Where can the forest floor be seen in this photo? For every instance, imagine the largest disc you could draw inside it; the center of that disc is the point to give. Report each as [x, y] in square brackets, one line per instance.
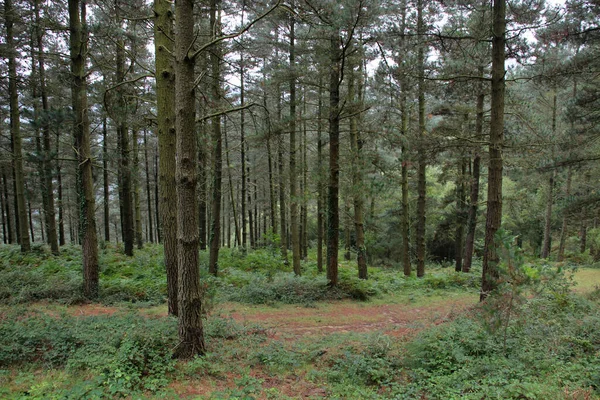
[271, 366]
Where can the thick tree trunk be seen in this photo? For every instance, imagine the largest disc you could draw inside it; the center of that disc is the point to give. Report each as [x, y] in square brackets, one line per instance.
[405, 220]
[167, 137]
[282, 203]
[333, 214]
[215, 229]
[546, 246]
[494, 198]
[126, 186]
[81, 132]
[15, 128]
[191, 334]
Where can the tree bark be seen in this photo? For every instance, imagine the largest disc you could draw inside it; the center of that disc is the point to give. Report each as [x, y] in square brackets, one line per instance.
[459, 235]
[15, 128]
[167, 137]
[333, 214]
[120, 117]
[48, 190]
[191, 334]
[215, 229]
[494, 199]
[320, 178]
[81, 132]
[148, 191]
[139, 238]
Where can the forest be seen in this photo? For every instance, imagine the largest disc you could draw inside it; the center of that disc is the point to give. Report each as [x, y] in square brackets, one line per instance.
[293, 199]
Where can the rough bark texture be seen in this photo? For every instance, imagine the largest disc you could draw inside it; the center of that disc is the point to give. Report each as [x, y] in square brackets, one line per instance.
[165, 96]
[191, 334]
[333, 213]
[494, 199]
[215, 228]
[81, 133]
[15, 128]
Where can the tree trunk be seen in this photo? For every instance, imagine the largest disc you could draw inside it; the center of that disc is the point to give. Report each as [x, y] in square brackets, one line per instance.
[9, 215]
[333, 214]
[126, 191]
[405, 220]
[47, 187]
[320, 178]
[243, 152]
[215, 231]
[231, 196]
[15, 128]
[167, 137]
[106, 192]
[546, 246]
[81, 132]
[494, 198]
[357, 181]
[136, 191]
[292, 127]
[282, 205]
[148, 191]
[202, 183]
[191, 334]
[422, 168]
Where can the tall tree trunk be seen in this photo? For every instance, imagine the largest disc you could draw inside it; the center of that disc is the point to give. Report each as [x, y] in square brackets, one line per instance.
[215, 229]
[191, 334]
[4, 216]
[81, 132]
[243, 150]
[320, 179]
[357, 182]
[30, 220]
[106, 192]
[422, 167]
[250, 214]
[148, 191]
[61, 219]
[405, 220]
[167, 138]
[126, 186]
[546, 246]
[233, 210]
[293, 188]
[282, 204]
[494, 198]
[202, 185]
[156, 200]
[15, 128]
[333, 213]
[139, 236]
[47, 187]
